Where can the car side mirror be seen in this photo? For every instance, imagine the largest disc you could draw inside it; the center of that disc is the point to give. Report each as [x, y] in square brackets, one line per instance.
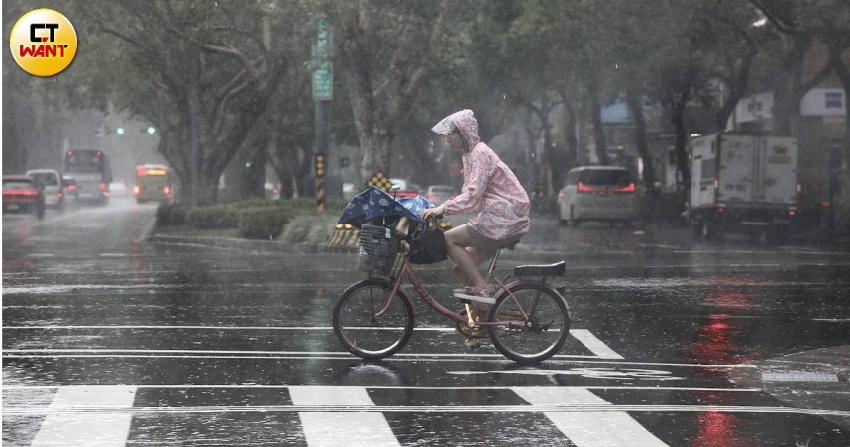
[395, 188]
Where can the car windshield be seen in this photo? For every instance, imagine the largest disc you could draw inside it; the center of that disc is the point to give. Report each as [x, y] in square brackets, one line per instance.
[605, 177]
[45, 178]
[17, 184]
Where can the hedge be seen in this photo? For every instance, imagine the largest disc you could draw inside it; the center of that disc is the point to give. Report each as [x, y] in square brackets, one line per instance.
[262, 223]
[171, 214]
[215, 216]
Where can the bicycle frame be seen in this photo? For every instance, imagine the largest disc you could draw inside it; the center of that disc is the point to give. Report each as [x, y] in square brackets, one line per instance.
[406, 272]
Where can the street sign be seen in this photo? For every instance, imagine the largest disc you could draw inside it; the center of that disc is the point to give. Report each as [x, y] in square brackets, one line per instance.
[379, 180]
[323, 86]
[322, 65]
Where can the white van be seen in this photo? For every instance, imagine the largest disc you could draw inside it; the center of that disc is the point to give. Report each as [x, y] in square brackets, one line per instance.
[51, 182]
[600, 193]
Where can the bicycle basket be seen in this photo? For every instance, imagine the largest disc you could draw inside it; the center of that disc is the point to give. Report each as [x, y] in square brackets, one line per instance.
[378, 249]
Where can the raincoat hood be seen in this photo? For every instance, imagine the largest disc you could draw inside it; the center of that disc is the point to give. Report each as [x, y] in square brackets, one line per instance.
[465, 122]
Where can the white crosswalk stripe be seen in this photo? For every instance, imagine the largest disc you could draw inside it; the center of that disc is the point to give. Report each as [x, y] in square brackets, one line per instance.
[333, 429]
[101, 428]
[590, 428]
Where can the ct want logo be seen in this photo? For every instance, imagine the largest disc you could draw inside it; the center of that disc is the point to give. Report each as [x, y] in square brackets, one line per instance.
[43, 42]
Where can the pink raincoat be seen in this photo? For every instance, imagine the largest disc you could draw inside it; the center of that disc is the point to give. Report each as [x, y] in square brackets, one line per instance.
[489, 187]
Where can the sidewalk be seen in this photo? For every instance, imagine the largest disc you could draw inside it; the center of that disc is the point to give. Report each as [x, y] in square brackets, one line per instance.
[815, 379]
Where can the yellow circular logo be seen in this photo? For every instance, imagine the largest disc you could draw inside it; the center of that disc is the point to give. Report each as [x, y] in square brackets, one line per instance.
[43, 42]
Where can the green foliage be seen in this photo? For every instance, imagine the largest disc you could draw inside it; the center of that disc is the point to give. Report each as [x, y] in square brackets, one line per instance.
[171, 214]
[215, 216]
[309, 228]
[262, 223]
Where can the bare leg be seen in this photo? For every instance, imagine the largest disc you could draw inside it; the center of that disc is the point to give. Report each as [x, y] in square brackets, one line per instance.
[466, 260]
[479, 258]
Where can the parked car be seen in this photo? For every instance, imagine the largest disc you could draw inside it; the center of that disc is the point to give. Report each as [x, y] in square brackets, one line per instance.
[599, 193]
[22, 194]
[438, 194]
[51, 182]
[406, 187]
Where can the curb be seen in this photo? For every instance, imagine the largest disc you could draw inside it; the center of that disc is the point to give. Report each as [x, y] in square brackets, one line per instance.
[798, 391]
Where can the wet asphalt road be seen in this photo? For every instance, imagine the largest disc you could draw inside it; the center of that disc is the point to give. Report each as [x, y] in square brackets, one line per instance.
[108, 340]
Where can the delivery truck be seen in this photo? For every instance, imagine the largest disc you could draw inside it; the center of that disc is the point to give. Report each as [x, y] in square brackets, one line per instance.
[743, 183]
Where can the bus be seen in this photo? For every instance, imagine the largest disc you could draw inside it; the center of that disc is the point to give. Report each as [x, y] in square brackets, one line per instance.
[92, 174]
[153, 182]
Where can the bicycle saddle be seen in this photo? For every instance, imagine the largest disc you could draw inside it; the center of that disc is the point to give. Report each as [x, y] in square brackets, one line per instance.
[556, 269]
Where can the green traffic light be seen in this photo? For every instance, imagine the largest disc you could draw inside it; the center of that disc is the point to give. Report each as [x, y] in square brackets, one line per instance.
[248, 164]
[151, 130]
[119, 131]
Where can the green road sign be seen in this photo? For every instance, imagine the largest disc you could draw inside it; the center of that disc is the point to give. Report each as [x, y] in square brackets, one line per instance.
[323, 67]
[323, 85]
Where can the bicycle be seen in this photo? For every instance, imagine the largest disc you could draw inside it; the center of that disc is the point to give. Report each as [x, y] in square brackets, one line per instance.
[528, 319]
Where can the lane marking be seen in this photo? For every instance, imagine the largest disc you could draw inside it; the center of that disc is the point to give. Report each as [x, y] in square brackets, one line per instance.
[590, 428]
[400, 387]
[590, 341]
[594, 344]
[400, 357]
[545, 408]
[334, 428]
[106, 424]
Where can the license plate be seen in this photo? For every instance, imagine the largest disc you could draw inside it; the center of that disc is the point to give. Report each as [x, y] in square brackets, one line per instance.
[13, 207]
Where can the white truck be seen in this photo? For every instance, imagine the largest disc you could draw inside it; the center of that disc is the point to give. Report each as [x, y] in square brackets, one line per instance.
[743, 183]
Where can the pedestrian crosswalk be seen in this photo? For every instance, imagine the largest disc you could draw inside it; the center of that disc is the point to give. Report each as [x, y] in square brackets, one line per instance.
[315, 415]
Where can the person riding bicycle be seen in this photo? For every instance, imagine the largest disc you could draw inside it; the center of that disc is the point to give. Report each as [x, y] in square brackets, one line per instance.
[491, 189]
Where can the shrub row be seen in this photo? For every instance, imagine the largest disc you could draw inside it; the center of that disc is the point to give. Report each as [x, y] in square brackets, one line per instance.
[259, 218]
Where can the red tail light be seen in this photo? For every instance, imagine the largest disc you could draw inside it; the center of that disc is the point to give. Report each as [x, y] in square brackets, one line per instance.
[21, 192]
[167, 190]
[583, 188]
[59, 194]
[137, 190]
[72, 188]
[103, 186]
[432, 196]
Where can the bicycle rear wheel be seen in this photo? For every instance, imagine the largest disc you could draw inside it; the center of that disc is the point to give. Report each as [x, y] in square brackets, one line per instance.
[362, 333]
[542, 335]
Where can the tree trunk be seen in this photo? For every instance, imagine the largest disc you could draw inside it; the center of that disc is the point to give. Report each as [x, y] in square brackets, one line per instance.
[843, 72]
[592, 86]
[635, 103]
[678, 99]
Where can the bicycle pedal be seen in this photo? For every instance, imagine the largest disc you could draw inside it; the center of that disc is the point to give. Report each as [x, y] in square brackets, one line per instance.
[472, 344]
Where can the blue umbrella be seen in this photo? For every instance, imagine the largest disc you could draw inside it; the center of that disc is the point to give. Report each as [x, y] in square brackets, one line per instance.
[375, 202]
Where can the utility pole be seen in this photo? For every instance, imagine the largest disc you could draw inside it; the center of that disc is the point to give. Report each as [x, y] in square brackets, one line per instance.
[322, 95]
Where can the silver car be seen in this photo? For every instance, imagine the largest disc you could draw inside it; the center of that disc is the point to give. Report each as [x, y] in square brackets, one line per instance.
[598, 193]
[438, 194]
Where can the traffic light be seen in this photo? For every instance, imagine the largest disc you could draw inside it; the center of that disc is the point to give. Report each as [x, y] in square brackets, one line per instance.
[320, 165]
[119, 131]
[151, 130]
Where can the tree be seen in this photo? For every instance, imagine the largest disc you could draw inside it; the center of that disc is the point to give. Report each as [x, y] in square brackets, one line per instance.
[202, 74]
[384, 55]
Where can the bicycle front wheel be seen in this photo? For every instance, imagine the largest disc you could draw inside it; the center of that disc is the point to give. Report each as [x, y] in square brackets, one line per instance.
[536, 338]
[362, 331]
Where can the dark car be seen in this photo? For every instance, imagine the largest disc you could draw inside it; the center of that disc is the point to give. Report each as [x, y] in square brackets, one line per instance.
[22, 194]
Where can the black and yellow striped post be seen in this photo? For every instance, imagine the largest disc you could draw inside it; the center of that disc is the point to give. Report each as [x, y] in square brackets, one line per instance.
[320, 182]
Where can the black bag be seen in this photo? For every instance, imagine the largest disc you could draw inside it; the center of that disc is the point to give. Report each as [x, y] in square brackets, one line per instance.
[428, 245]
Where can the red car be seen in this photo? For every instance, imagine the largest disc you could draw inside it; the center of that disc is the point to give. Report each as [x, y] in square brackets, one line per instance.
[22, 194]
